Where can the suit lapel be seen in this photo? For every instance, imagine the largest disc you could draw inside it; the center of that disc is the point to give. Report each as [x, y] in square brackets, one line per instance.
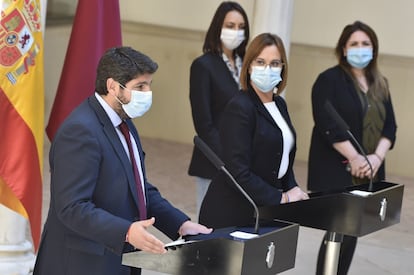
[221, 67]
[260, 107]
[114, 140]
[350, 88]
[134, 133]
[263, 111]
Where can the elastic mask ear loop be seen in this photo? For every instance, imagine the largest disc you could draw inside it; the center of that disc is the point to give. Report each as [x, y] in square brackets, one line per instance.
[117, 98]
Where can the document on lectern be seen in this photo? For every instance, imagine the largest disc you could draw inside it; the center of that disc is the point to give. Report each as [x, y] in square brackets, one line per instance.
[360, 193]
[178, 242]
[243, 235]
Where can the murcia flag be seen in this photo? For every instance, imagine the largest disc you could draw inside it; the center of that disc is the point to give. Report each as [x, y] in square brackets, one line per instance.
[96, 27]
[21, 111]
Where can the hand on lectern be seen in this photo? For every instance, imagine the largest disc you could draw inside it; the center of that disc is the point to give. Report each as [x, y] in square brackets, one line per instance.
[140, 238]
[296, 194]
[192, 228]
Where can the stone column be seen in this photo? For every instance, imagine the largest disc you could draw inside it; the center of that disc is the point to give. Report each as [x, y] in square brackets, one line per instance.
[16, 252]
[273, 16]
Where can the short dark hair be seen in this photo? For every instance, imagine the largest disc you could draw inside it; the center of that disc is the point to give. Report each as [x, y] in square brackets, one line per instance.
[212, 42]
[122, 64]
[253, 51]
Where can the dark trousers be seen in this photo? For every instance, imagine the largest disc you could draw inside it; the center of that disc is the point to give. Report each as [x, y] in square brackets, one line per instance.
[345, 255]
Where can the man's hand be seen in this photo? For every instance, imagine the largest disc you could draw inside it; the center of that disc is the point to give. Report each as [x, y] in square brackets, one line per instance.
[192, 228]
[140, 238]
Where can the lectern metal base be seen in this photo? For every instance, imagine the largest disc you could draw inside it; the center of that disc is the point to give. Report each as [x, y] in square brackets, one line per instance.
[333, 247]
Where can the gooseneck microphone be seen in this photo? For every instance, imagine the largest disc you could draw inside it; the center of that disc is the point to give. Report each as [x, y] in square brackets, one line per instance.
[344, 127]
[203, 147]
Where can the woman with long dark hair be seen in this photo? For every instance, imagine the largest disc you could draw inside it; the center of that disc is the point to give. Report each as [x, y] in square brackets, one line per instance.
[360, 94]
[214, 79]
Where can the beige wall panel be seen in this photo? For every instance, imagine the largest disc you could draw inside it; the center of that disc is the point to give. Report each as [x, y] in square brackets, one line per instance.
[400, 74]
[56, 42]
[305, 64]
[173, 50]
[185, 14]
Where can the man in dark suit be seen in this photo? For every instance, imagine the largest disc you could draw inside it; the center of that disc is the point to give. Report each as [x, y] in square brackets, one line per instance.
[96, 211]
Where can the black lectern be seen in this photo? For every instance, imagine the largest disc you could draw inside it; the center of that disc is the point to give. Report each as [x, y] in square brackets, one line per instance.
[355, 211]
[272, 251]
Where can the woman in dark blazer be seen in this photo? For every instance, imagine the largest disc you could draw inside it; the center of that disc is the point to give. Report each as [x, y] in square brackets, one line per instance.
[258, 141]
[214, 79]
[360, 94]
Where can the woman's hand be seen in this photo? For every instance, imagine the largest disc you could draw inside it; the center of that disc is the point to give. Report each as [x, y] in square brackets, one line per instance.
[359, 166]
[294, 194]
[375, 163]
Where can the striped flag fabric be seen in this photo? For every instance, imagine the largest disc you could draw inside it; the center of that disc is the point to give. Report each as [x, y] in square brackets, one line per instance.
[21, 110]
[96, 27]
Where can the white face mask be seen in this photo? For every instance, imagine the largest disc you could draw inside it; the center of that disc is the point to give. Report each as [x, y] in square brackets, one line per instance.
[231, 39]
[139, 104]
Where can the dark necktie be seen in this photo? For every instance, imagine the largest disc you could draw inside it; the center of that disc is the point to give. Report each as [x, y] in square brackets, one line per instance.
[141, 201]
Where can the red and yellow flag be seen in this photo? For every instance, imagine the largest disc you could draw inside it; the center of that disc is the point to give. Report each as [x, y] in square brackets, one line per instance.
[22, 110]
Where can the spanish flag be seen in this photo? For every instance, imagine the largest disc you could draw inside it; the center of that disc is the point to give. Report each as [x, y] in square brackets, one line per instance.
[22, 111]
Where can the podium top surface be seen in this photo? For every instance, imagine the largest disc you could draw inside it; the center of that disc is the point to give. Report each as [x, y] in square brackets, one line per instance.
[355, 210]
[225, 233]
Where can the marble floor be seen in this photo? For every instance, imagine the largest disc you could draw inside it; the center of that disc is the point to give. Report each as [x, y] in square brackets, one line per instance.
[386, 252]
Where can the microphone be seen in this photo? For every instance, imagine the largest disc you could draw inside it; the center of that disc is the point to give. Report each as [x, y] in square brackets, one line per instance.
[203, 147]
[343, 126]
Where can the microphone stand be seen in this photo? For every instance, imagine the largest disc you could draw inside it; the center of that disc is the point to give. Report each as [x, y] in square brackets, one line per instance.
[366, 158]
[256, 210]
[218, 163]
[342, 125]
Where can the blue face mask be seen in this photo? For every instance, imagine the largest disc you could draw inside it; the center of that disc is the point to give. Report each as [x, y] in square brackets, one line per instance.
[359, 57]
[265, 79]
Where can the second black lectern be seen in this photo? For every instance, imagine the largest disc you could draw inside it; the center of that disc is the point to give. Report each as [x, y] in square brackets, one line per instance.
[355, 211]
[222, 252]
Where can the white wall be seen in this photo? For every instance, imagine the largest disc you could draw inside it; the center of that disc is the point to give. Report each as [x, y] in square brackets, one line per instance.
[320, 22]
[183, 14]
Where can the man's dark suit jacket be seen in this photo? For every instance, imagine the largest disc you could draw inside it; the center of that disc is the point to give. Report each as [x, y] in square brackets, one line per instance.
[211, 87]
[94, 198]
[252, 146]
